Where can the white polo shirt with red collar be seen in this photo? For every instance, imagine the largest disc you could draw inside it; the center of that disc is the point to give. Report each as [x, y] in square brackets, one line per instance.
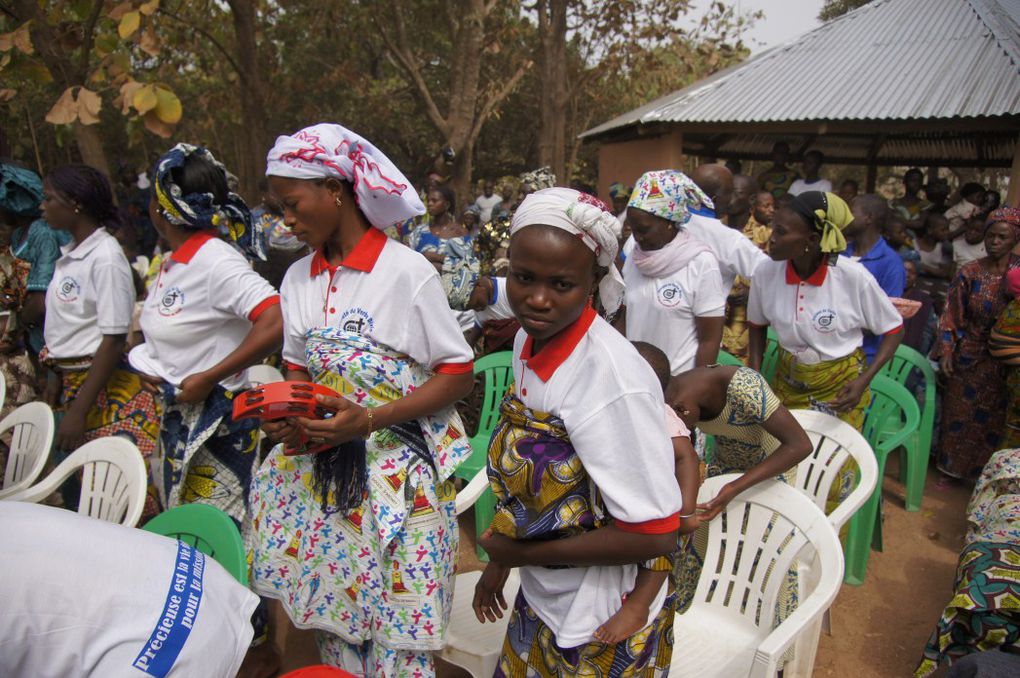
[92, 294]
[199, 310]
[662, 311]
[823, 317]
[611, 403]
[383, 291]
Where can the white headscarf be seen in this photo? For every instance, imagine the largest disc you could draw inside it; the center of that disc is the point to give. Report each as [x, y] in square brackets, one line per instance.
[383, 193]
[588, 218]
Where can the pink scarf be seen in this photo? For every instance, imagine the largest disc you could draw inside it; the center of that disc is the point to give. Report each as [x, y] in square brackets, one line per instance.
[672, 257]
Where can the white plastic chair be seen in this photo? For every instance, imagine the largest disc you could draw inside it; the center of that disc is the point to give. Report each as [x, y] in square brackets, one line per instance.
[263, 374]
[3, 389]
[833, 441]
[31, 430]
[469, 644]
[112, 484]
[727, 632]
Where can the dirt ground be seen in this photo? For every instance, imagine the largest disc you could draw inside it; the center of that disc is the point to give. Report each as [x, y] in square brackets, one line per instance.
[878, 629]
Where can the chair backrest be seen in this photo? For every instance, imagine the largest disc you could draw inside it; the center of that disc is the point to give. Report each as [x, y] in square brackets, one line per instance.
[208, 529]
[112, 483]
[890, 402]
[770, 360]
[263, 374]
[3, 388]
[906, 361]
[833, 441]
[467, 497]
[753, 543]
[726, 358]
[499, 374]
[31, 437]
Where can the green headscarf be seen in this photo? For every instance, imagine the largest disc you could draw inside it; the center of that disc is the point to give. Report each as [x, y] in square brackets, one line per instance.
[828, 214]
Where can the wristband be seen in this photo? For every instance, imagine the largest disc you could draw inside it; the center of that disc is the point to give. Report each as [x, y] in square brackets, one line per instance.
[689, 515]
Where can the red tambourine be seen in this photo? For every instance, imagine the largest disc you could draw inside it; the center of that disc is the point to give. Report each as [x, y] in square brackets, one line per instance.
[283, 399]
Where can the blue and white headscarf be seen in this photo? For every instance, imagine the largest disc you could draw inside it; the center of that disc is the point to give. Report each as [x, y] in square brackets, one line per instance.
[200, 211]
[21, 190]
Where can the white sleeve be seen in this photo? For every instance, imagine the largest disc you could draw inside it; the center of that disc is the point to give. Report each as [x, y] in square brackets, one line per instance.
[499, 309]
[237, 288]
[115, 296]
[432, 335]
[746, 255]
[880, 316]
[628, 454]
[755, 311]
[709, 293]
[294, 329]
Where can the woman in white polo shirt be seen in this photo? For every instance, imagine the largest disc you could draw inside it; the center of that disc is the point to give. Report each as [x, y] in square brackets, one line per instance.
[207, 318]
[675, 294]
[360, 541]
[88, 313]
[583, 429]
[820, 304]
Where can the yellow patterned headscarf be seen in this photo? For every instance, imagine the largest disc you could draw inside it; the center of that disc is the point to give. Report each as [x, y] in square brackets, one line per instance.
[828, 214]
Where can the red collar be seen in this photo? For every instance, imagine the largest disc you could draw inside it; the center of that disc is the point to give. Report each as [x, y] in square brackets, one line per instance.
[816, 278]
[559, 348]
[361, 258]
[185, 253]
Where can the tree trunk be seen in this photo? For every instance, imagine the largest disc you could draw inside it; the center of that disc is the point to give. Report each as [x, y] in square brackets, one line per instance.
[90, 145]
[552, 58]
[251, 164]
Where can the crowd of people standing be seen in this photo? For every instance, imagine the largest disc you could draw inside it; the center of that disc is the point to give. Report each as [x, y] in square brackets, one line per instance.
[615, 317]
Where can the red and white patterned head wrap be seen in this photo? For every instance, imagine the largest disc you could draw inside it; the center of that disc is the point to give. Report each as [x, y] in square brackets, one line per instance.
[383, 193]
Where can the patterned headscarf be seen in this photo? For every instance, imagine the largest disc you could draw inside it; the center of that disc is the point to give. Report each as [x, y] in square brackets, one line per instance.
[539, 179]
[618, 190]
[828, 214]
[668, 194]
[1005, 214]
[382, 192]
[460, 272]
[21, 190]
[589, 219]
[200, 211]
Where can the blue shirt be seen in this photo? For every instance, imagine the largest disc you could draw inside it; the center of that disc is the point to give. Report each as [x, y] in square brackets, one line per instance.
[883, 262]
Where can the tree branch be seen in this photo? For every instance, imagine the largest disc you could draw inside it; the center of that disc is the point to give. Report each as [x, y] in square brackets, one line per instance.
[410, 67]
[207, 34]
[497, 98]
[88, 37]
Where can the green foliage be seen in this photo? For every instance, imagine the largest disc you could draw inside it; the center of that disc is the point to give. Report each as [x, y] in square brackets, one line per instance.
[834, 8]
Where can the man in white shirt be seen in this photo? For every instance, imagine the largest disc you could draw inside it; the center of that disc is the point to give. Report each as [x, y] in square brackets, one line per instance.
[971, 245]
[487, 201]
[812, 181]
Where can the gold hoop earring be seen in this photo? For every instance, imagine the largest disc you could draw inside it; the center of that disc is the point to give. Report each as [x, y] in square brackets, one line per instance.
[339, 202]
[807, 248]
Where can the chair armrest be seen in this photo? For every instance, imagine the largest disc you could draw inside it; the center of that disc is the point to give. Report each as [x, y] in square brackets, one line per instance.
[472, 491]
[46, 486]
[16, 488]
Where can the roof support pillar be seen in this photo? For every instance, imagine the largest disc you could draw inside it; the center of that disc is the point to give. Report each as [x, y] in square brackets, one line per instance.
[1013, 193]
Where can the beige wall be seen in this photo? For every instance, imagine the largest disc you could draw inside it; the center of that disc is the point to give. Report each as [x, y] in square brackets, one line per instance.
[626, 161]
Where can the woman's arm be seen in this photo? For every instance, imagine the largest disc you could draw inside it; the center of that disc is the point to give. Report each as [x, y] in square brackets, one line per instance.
[605, 546]
[756, 346]
[851, 393]
[353, 421]
[688, 476]
[709, 332]
[794, 447]
[72, 425]
[265, 337]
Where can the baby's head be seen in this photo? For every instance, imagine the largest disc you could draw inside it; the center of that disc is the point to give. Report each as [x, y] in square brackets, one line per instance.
[657, 359]
[1013, 282]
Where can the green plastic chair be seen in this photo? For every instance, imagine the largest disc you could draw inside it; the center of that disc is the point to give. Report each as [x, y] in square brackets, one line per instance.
[917, 449]
[891, 420]
[770, 361]
[726, 358]
[499, 375]
[209, 530]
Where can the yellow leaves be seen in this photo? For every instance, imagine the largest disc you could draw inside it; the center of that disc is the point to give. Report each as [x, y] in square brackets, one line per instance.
[168, 106]
[157, 126]
[65, 111]
[118, 12]
[149, 8]
[20, 38]
[68, 109]
[129, 23]
[127, 93]
[148, 42]
[7, 94]
[145, 99]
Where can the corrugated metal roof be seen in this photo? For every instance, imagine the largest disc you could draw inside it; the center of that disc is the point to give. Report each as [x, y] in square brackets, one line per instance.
[888, 60]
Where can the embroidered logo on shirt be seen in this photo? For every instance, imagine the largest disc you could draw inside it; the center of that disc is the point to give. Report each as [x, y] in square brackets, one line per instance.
[172, 302]
[68, 289]
[356, 320]
[670, 295]
[824, 321]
